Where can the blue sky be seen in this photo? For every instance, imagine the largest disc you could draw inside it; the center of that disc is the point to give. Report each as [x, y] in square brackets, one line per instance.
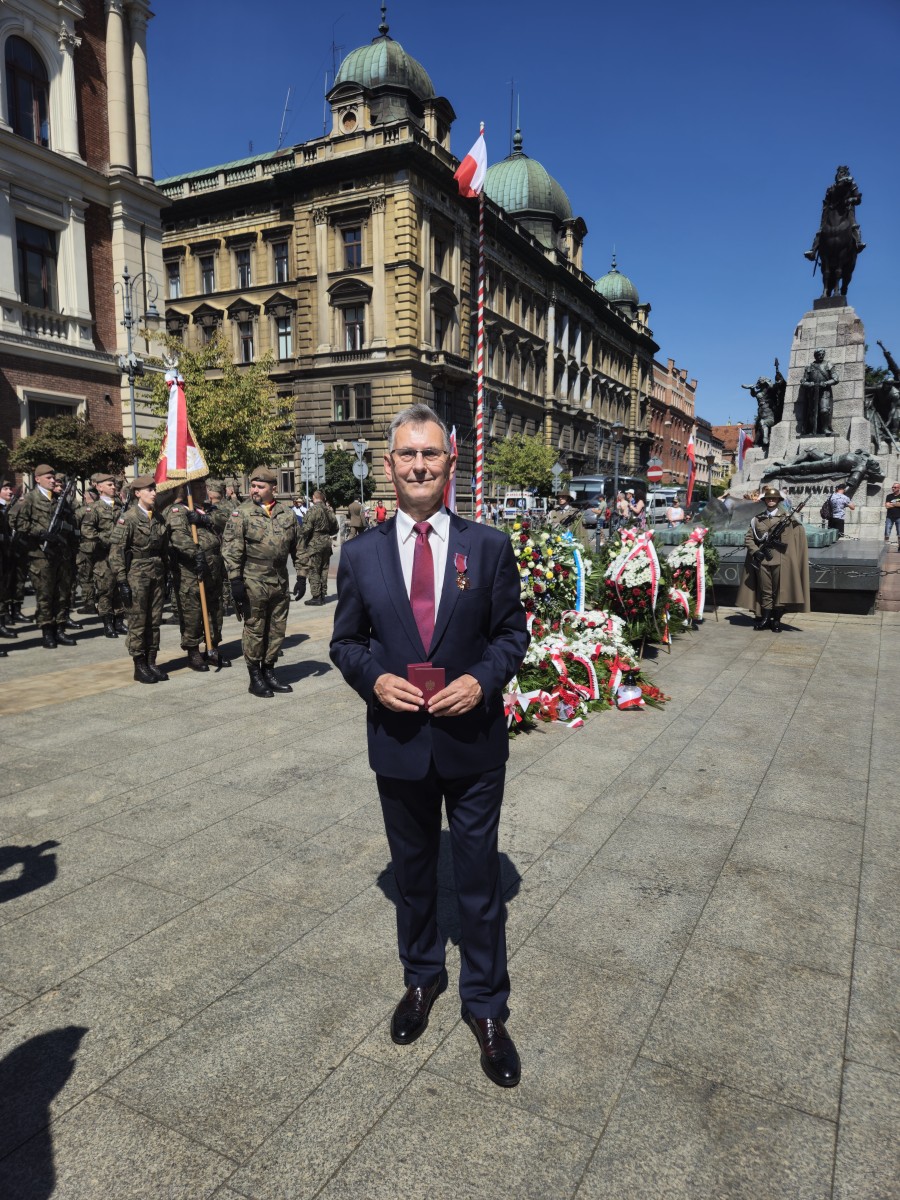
[694, 136]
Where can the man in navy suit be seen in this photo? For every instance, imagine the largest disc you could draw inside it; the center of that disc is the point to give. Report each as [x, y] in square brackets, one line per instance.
[428, 588]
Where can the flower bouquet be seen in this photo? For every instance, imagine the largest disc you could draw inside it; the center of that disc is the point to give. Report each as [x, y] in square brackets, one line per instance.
[635, 586]
[552, 569]
[692, 565]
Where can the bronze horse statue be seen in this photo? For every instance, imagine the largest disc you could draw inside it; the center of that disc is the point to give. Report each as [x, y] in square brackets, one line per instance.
[838, 251]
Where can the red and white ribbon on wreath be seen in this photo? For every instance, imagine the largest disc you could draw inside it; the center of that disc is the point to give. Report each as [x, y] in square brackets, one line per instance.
[696, 539]
[680, 596]
[513, 700]
[643, 545]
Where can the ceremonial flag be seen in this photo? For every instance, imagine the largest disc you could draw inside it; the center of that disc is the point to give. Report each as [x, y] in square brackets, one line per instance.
[180, 459]
[692, 457]
[471, 171]
[745, 441]
[450, 489]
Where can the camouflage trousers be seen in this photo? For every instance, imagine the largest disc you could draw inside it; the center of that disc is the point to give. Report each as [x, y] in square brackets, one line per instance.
[51, 579]
[84, 573]
[314, 565]
[148, 585]
[105, 589]
[190, 613]
[264, 628]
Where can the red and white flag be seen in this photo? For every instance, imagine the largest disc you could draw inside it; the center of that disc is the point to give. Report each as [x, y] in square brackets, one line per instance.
[745, 441]
[471, 171]
[180, 458]
[692, 458]
[450, 489]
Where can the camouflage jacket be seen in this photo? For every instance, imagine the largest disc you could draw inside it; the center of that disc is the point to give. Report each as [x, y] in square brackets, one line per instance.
[97, 528]
[219, 514]
[138, 543]
[256, 545]
[32, 520]
[319, 525]
[181, 540]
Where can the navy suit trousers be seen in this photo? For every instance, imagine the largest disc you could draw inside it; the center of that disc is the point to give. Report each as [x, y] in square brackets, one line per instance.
[412, 820]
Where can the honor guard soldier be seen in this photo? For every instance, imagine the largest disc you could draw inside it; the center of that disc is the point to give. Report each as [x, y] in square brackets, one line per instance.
[260, 535]
[96, 540]
[319, 526]
[190, 563]
[84, 562]
[137, 558]
[45, 522]
[776, 570]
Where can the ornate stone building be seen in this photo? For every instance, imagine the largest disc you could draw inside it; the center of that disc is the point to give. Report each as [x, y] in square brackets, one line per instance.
[354, 260]
[672, 418]
[77, 204]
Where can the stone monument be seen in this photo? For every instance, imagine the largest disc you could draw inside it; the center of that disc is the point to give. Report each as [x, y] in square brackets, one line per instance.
[825, 434]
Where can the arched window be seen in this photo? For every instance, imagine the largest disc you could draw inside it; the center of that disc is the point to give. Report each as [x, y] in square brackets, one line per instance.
[27, 92]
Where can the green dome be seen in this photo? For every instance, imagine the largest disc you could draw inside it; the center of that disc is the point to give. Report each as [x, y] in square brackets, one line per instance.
[616, 287]
[521, 185]
[385, 62]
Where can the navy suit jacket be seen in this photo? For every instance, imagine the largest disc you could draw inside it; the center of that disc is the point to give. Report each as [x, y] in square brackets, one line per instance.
[479, 631]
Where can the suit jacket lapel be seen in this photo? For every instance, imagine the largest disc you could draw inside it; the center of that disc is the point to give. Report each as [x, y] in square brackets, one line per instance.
[389, 557]
[457, 543]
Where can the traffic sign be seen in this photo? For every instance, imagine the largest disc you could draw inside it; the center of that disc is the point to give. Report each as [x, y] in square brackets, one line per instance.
[654, 474]
[360, 469]
[360, 447]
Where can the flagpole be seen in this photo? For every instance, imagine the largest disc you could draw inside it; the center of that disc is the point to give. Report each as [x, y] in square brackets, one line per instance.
[204, 610]
[479, 361]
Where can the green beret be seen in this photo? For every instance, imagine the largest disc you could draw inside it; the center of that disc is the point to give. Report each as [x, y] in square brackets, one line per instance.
[44, 469]
[102, 477]
[142, 481]
[264, 475]
[215, 485]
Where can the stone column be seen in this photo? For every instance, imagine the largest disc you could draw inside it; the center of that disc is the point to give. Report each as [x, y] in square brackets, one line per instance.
[379, 299]
[425, 290]
[66, 138]
[456, 278]
[117, 88]
[141, 92]
[320, 216]
[7, 250]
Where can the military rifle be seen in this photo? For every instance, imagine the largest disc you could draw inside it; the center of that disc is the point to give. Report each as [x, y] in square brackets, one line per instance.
[771, 541]
[56, 518]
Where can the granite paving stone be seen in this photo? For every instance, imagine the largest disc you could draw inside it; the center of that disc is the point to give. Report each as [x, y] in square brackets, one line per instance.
[879, 905]
[868, 1149]
[872, 1031]
[780, 841]
[667, 849]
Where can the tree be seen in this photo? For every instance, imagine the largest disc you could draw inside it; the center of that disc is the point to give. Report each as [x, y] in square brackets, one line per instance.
[341, 485]
[237, 420]
[71, 445]
[523, 463]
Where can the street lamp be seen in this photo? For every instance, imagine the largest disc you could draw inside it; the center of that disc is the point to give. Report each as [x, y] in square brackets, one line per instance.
[130, 364]
[710, 459]
[616, 434]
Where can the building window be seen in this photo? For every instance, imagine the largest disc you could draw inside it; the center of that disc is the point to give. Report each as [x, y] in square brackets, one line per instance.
[440, 330]
[208, 333]
[354, 327]
[242, 266]
[363, 396]
[352, 239]
[441, 405]
[207, 273]
[342, 403]
[285, 337]
[37, 265]
[280, 258]
[440, 255]
[27, 92]
[245, 335]
[173, 280]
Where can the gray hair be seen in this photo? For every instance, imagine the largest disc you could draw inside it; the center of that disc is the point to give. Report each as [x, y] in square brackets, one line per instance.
[418, 414]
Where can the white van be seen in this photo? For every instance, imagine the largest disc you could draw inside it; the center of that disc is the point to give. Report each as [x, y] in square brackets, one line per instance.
[657, 503]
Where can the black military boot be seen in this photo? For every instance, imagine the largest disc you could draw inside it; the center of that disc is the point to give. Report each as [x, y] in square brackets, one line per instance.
[195, 659]
[16, 613]
[63, 638]
[5, 631]
[142, 672]
[217, 658]
[258, 685]
[87, 609]
[316, 600]
[268, 673]
[49, 637]
[119, 624]
[109, 629]
[777, 614]
[70, 624]
[158, 672]
[765, 617]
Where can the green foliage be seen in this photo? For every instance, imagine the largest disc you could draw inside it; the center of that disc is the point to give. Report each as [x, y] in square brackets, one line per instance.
[73, 446]
[238, 421]
[875, 376]
[341, 485]
[522, 463]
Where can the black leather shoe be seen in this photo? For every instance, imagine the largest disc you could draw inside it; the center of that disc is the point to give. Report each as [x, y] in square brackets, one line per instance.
[5, 631]
[777, 626]
[499, 1057]
[410, 1017]
[764, 618]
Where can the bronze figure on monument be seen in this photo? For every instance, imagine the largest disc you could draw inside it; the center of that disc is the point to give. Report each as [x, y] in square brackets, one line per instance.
[813, 465]
[769, 397]
[838, 241]
[816, 398]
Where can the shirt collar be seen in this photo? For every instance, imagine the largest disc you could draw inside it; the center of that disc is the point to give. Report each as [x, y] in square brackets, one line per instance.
[106, 500]
[439, 521]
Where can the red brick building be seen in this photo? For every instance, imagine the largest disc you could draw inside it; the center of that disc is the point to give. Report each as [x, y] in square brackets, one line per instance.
[77, 205]
[672, 418]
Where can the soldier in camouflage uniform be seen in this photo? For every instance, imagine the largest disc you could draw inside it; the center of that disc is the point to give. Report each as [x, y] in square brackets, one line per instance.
[84, 563]
[219, 510]
[319, 525]
[96, 540]
[260, 535]
[50, 569]
[7, 556]
[190, 563]
[137, 558]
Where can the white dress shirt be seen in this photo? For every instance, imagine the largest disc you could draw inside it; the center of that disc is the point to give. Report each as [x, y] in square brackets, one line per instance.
[438, 540]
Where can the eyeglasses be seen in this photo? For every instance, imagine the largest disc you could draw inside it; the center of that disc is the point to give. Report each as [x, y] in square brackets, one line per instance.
[407, 455]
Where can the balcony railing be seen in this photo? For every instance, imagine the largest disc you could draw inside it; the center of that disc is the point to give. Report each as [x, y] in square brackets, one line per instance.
[44, 323]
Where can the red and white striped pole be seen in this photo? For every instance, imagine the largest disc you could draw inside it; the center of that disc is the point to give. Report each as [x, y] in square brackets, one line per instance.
[479, 366]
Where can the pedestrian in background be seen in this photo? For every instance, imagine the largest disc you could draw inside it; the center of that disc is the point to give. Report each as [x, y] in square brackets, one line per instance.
[892, 513]
[675, 514]
[319, 527]
[839, 502]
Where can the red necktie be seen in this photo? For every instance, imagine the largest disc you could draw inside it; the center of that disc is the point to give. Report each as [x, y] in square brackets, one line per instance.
[421, 590]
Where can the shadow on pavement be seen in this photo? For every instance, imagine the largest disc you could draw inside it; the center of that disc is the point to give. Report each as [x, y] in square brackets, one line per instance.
[296, 672]
[38, 869]
[30, 1077]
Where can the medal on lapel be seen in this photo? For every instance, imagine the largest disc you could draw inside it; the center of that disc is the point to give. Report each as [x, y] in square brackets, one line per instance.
[462, 579]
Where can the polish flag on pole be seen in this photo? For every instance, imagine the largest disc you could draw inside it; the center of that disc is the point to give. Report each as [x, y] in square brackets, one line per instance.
[745, 441]
[692, 457]
[180, 459]
[471, 171]
[450, 489]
